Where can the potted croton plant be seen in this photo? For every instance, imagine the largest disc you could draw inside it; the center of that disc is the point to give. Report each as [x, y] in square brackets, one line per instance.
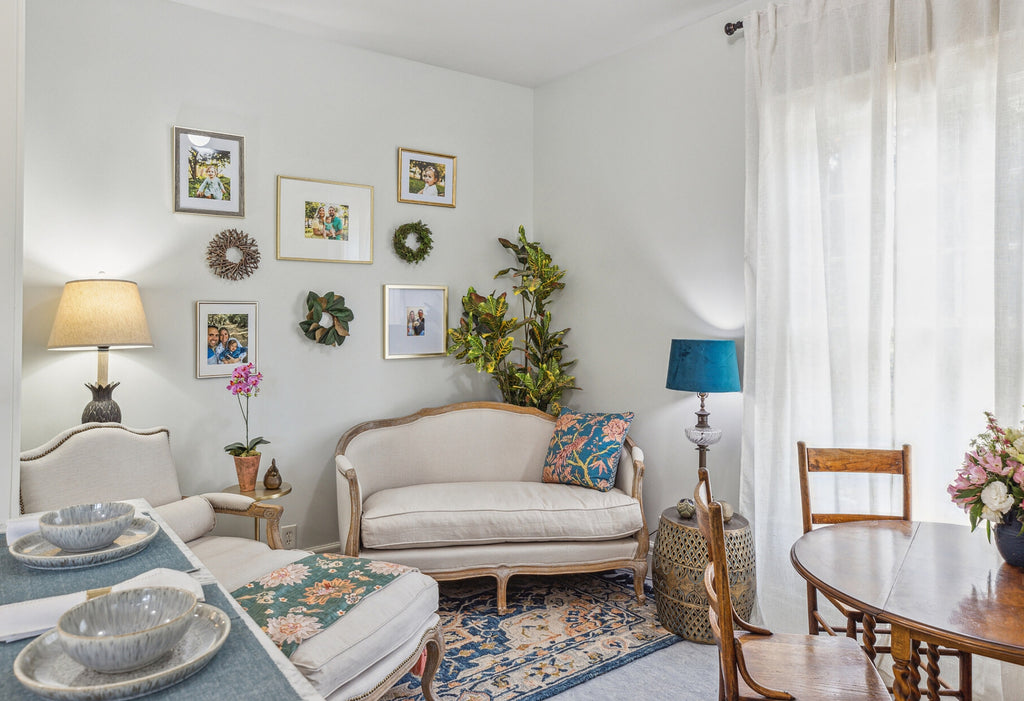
[245, 382]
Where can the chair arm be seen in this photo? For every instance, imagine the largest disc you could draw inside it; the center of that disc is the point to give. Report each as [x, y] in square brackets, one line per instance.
[350, 505]
[633, 484]
[239, 505]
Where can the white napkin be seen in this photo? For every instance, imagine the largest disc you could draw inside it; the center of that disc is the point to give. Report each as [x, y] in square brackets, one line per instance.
[21, 526]
[27, 619]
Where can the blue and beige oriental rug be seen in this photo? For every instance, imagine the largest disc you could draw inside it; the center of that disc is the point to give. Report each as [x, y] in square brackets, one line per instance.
[560, 632]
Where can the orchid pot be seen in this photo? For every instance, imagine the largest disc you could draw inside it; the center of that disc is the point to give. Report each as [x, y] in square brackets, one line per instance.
[246, 467]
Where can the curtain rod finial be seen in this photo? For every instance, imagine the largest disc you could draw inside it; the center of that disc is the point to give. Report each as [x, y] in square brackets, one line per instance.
[732, 27]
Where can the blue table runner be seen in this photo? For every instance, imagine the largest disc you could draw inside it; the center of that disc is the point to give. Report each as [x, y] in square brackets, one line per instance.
[242, 669]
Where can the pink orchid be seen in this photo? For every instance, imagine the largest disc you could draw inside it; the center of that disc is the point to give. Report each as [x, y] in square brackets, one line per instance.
[245, 382]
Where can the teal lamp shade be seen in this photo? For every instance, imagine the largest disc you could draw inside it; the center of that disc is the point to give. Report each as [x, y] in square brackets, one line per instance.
[703, 366]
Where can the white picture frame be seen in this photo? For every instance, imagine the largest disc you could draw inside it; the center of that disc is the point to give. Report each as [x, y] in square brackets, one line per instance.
[240, 321]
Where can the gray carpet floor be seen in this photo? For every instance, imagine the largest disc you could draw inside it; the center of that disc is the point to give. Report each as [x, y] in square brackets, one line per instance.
[682, 672]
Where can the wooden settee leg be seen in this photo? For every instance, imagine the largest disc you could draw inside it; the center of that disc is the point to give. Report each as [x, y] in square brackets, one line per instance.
[502, 577]
[639, 575]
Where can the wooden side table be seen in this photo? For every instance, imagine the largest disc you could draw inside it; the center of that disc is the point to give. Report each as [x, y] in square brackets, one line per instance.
[261, 493]
[680, 558]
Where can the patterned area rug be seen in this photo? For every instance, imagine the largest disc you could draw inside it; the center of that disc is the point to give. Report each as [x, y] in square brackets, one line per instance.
[560, 632]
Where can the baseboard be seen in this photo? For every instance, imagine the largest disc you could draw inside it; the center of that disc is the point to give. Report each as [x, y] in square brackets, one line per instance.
[326, 548]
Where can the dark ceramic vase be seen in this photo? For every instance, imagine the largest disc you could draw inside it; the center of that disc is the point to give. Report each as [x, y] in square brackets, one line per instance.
[1009, 541]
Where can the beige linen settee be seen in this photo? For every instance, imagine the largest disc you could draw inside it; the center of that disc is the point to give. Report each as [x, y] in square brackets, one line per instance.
[456, 491]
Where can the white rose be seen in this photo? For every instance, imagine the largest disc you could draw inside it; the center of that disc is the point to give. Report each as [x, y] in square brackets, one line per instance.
[990, 515]
[996, 497]
[1018, 445]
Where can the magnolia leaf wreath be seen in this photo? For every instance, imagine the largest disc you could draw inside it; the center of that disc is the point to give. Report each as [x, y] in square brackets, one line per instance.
[327, 319]
[222, 266]
[423, 240]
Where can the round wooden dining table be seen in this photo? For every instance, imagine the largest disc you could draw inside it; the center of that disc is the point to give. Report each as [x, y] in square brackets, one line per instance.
[934, 583]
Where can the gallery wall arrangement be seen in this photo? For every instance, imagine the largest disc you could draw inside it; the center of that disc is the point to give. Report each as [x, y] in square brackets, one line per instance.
[317, 221]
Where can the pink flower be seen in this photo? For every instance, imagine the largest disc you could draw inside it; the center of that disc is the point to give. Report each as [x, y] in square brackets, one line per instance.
[615, 430]
[566, 420]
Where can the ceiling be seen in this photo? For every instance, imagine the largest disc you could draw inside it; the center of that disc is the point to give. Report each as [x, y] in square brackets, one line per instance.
[525, 42]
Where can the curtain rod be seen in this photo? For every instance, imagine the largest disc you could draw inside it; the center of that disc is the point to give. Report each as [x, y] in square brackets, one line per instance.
[732, 27]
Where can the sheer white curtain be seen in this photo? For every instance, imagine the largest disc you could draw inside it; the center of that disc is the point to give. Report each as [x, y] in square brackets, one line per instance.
[884, 249]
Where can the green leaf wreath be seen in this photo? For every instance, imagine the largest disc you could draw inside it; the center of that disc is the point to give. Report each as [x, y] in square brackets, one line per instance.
[423, 240]
[332, 305]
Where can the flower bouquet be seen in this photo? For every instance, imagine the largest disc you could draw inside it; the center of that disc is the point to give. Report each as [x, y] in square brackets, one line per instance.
[245, 382]
[989, 485]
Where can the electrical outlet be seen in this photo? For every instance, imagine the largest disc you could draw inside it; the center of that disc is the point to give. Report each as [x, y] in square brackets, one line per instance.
[288, 535]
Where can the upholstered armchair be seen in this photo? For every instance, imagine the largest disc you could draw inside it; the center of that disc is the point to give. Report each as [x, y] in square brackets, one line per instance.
[107, 461]
[360, 656]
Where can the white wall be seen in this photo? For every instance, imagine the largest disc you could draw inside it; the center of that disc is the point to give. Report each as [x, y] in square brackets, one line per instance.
[11, 83]
[639, 193]
[106, 81]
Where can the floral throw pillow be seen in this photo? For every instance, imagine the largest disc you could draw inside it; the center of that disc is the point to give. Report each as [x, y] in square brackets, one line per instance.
[585, 449]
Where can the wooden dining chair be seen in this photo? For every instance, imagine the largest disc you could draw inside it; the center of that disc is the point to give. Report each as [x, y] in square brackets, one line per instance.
[754, 663]
[865, 461]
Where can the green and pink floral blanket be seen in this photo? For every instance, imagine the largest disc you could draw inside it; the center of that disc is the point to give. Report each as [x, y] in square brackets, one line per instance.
[297, 601]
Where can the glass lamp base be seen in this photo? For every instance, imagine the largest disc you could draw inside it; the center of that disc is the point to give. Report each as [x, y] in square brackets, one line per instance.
[703, 435]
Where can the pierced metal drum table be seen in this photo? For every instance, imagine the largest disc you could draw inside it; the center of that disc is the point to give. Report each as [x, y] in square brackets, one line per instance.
[680, 557]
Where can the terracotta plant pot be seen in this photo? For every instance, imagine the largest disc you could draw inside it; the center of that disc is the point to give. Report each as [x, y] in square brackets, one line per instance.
[246, 469]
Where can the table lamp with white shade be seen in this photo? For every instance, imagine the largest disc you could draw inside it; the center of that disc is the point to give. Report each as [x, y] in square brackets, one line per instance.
[100, 314]
[704, 367]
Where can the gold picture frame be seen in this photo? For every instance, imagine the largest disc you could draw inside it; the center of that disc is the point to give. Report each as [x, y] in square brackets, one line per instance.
[415, 321]
[426, 178]
[324, 220]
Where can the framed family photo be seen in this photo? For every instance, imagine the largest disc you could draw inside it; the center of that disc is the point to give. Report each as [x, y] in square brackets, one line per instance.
[209, 172]
[426, 178]
[323, 220]
[225, 337]
[415, 321]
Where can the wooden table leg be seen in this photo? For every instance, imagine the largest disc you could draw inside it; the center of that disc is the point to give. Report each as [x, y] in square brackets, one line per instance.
[915, 671]
[933, 672]
[868, 637]
[256, 529]
[900, 641]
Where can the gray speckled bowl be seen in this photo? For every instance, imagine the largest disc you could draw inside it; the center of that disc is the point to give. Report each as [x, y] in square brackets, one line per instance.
[125, 630]
[84, 527]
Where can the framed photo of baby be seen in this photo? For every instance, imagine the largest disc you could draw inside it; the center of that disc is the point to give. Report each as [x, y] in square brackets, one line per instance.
[426, 178]
[323, 220]
[209, 172]
[225, 337]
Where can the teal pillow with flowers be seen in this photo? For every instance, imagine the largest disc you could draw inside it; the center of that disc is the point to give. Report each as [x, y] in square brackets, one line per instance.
[585, 448]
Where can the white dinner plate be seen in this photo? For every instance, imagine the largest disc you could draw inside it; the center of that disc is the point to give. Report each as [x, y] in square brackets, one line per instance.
[35, 551]
[44, 668]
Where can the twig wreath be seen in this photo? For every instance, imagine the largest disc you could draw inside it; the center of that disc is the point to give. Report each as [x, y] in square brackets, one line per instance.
[222, 266]
[423, 241]
[327, 319]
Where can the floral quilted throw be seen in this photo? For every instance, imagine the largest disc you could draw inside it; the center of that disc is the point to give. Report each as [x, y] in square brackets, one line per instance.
[585, 448]
[297, 601]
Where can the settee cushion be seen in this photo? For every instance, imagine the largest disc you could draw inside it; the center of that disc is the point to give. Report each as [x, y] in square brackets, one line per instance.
[466, 513]
[585, 448]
